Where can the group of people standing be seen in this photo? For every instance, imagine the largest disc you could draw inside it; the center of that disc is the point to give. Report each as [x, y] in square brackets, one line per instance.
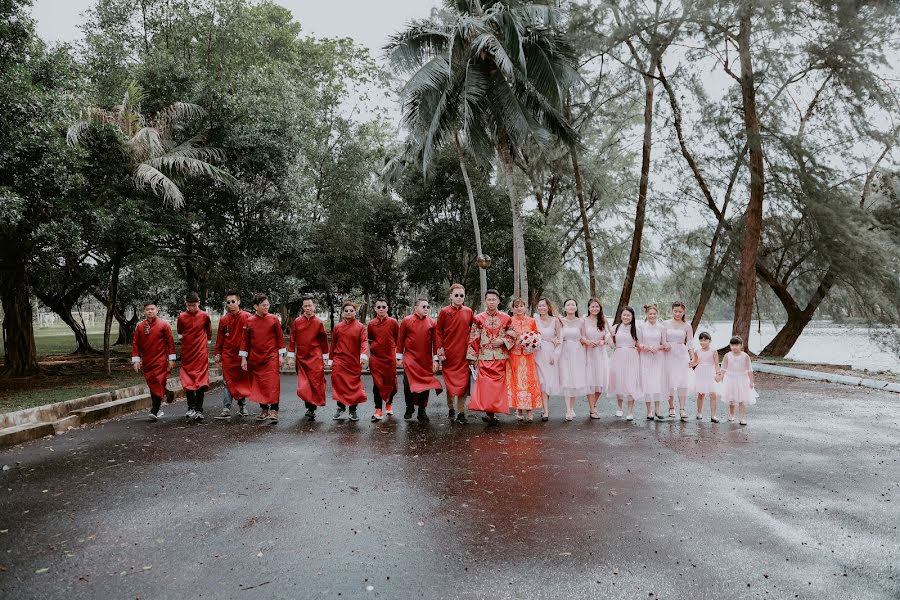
[507, 363]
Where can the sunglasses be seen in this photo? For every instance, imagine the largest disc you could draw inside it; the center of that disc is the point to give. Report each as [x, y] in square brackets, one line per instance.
[348, 309]
[381, 307]
[425, 306]
[231, 302]
[458, 295]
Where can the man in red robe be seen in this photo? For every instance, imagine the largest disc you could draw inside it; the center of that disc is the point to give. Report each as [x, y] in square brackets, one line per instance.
[153, 349]
[382, 332]
[308, 346]
[262, 355]
[416, 342]
[349, 351]
[229, 338]
[195, 329]
[454, 324]
[489, 343]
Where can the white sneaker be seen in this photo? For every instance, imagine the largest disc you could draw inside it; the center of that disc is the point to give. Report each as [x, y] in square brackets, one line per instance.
[618, 413]
[198, 415]
[190, 414]
[629, 418]
[225, 414]
[151, 417]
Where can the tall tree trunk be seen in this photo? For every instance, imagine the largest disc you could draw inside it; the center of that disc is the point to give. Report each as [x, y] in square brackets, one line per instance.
[20, 354]
[126, 327]
[634, 256]
[78, 328]
[110, 307]
[746, 284]
[520, 271]
[585, 223]
[797, 318]
[482, 273]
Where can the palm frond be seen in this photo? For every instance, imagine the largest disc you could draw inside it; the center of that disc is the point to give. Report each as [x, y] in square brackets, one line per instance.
[488, 43]
[146, 143]
[187, 166]
[178, 114]
[148, 176]
[89, 116]
[410, 48]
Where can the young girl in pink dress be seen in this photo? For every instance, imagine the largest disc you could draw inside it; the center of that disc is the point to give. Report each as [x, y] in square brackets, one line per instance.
[625, 366]
[678, 357]
[595, 337]
[706, 370]
[572, 358]
[652, 345]
[737, 379]
[547, 356]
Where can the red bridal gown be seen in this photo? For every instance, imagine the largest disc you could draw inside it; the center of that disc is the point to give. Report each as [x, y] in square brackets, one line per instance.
[153, 346]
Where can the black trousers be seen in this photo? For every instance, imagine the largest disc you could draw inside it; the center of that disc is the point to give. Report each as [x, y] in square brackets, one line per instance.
[195, 399]
[269, 406]
[157, 402]
[376, 395]
[412, 398]
[310, 406]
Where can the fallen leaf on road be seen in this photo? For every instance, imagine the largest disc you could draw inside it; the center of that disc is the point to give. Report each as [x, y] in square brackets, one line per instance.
[43, 570]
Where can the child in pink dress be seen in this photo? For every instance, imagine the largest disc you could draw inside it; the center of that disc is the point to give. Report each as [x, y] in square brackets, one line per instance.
[737, 379]
[706, 369]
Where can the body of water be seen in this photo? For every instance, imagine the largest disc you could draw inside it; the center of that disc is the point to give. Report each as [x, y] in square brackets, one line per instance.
[821, 341]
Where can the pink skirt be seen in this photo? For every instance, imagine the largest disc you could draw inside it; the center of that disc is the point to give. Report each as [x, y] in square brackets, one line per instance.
[597, 372]
[548, 374]
[653, 376]
[736, 389]
[679, 375]
[625, 374]
[705, 380]
[572, 364]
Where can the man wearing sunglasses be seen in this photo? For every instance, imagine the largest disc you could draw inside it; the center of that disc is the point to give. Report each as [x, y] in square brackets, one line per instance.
[229, 337]
[195, 329]
[382, 333]
[349, 352]
[308, 346]
[416, 344]
[454, 323]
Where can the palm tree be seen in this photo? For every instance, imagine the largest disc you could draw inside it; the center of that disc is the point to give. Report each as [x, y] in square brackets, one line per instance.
[491, 79]
[155, 158]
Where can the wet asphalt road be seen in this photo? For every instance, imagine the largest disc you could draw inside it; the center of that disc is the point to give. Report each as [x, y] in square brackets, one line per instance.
[804, 502]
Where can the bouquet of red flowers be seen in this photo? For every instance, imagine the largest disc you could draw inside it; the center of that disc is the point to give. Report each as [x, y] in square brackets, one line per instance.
[529, 341]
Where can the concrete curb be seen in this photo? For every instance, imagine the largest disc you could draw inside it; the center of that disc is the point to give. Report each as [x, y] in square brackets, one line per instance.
[876, 384]
[40, 421]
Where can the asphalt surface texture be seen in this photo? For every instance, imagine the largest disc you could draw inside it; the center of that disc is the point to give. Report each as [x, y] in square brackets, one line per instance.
[804, 502]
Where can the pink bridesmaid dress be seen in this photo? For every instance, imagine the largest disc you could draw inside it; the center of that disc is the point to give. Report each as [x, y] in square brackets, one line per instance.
[625, 366]
[572, 361]
[653, 364]
[678, 360]
[548, 373]
[736, 381]
[597, 359]
[705, 372]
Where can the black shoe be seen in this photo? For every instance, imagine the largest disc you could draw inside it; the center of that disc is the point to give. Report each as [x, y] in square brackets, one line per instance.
[409, 413]
[310, 414]
[353, 415]
[451, 414]
[339, 413]
[422, 417]
[461, 419]
[493, 422]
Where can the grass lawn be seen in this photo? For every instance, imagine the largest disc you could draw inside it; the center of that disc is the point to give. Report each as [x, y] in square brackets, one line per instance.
[66, 377]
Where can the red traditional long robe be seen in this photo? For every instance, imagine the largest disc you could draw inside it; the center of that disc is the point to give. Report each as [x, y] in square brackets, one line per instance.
[382, 335]
[349, 345]
[452, 334]
[309, 345]
[196, 332]
[262, 345]
[153, 346]
[417, 344]
[489, 394]
[229, 338]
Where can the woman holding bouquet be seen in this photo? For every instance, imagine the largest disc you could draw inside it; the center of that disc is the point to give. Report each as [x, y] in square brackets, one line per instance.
[523, 385]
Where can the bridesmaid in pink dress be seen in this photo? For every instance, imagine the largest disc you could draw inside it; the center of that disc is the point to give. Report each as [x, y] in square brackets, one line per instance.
[679, 356]
[547, 356]
[652, 342]
[625, 367]
[737, 379]
[572, 358]
[595, 337]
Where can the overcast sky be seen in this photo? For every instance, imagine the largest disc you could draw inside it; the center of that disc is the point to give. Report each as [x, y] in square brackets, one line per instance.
[366, 21]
